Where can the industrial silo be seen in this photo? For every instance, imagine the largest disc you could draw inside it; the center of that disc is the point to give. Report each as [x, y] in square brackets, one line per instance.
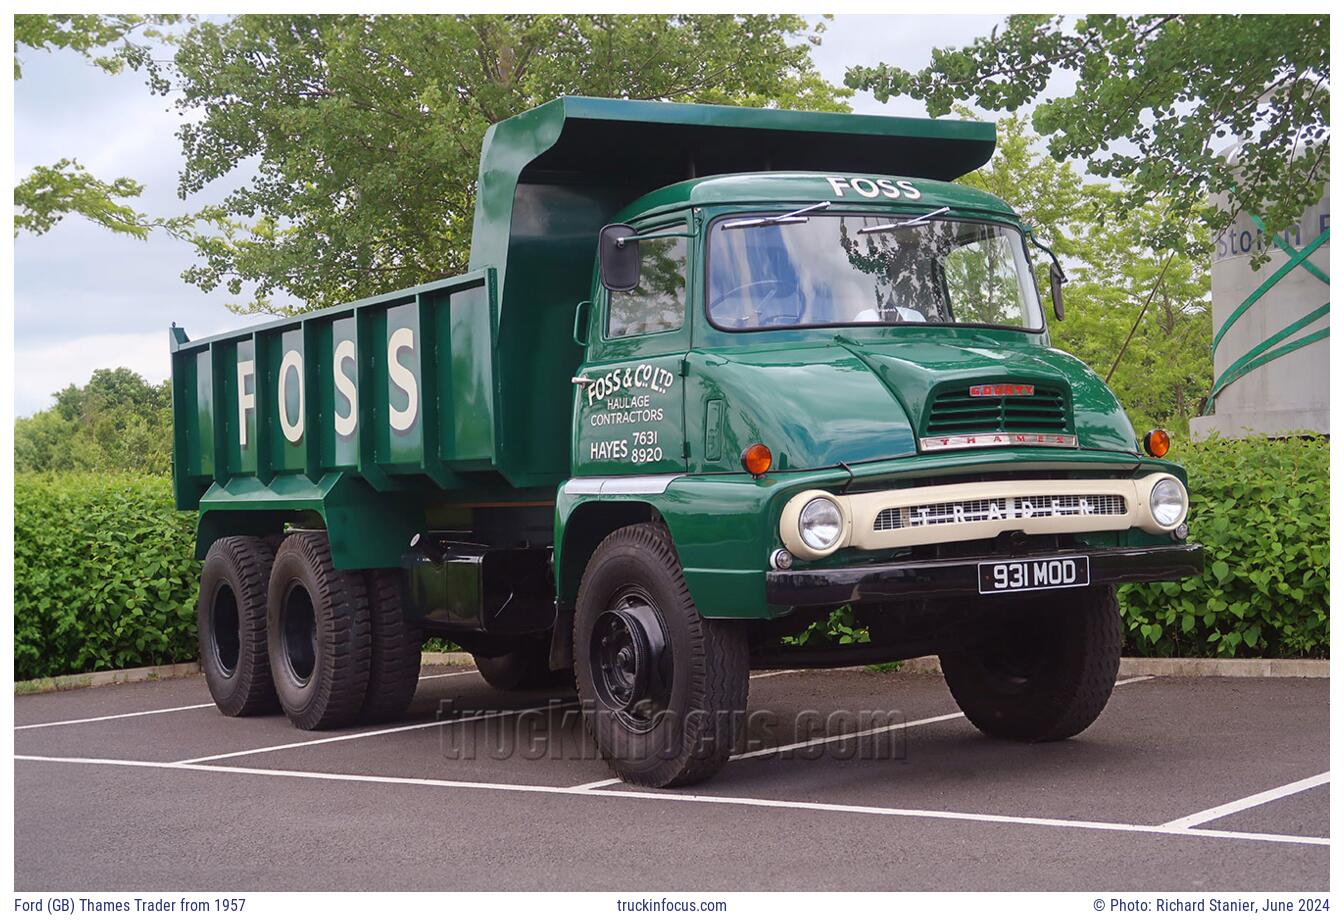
[1271, 326]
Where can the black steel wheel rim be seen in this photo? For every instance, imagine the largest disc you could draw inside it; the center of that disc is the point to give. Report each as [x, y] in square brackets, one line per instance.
[226, 636]
[298, 634]
[631, 661]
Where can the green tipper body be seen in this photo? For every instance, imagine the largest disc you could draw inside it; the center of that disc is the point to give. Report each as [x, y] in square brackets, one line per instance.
[450, 406]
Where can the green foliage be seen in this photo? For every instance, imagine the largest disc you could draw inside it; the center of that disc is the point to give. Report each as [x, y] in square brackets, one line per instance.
[103, 574]
[841, 627]
[49, 193]
[1141, 319]
[1157, 99]
[104, 40]
[1262, 509]
[365, 131]
[117, 422]
[1166, 368]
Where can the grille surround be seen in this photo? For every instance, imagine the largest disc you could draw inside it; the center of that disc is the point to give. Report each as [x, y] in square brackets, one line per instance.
[954, 411]
[860, 511]
[1007, 508]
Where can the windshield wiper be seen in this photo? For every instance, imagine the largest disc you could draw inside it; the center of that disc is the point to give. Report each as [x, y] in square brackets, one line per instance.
[912, 222]
[793, 217]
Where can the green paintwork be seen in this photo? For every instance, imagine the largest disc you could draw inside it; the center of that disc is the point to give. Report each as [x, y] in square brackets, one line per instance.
[489, 356]
[725, 525]
[769, 191]
[420, 368]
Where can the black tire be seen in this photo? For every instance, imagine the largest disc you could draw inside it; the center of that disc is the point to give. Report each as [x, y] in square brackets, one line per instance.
[318, 633]
[231, 626]
[687, 703]
[524, 667]
[1049, 675]
[394, 659]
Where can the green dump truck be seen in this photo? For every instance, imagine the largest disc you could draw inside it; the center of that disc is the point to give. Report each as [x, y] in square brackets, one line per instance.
[714, 373]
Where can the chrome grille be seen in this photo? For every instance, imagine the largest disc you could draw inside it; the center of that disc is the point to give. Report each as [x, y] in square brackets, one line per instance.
[1012, 507]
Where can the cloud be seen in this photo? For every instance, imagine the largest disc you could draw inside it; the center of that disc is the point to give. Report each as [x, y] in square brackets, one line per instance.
[85, 298]
[903, 41]
[42, 369]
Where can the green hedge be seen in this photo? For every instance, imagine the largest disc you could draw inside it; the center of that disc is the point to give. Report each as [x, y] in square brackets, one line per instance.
[103, 574]
[1262, 510]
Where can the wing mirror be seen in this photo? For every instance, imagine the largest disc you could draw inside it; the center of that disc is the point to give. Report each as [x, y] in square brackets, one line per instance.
[618, 257]
[1057, 281]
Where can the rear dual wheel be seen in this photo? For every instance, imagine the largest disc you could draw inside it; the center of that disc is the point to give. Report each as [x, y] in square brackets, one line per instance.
[231, 626]
[291, 631]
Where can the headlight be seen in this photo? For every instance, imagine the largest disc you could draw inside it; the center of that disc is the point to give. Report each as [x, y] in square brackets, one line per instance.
[1167, 502]
[820, 523]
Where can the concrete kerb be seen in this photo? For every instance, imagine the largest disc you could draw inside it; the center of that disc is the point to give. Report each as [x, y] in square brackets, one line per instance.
[1129, 667]
[106, 678]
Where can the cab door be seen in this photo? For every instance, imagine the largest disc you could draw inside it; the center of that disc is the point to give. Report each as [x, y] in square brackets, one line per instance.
[628, 405]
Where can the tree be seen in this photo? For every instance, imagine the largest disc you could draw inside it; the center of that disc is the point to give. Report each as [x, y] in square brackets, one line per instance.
[365, 131]
[1157, 98]
[49, 193]
[1166, 367]
[117, 422]
[1163, 370]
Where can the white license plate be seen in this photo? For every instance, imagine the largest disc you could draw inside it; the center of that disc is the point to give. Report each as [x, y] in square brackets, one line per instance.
[1033, 574]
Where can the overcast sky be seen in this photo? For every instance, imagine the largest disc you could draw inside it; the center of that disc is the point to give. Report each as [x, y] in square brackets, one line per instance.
[86, 298]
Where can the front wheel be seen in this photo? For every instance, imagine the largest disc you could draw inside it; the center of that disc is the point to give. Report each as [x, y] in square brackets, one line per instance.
[664, 690]
[1046, 675]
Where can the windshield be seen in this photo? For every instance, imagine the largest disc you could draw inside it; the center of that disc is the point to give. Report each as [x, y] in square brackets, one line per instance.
[834, 270]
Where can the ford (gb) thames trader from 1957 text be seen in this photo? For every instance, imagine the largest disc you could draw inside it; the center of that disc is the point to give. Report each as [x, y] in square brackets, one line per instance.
[714, 373]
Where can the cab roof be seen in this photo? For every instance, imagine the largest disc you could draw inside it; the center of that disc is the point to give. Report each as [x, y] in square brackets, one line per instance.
[804, 188]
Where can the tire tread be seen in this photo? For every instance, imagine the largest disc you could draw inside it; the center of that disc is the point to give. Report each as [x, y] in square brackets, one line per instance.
[249, 560]
[394, 658]
[719, 660]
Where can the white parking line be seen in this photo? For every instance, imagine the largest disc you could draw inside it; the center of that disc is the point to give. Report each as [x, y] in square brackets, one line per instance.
[389, 731]
[123, 715]
[702, 800]
[1250, 801]
[896, 726]
[829, 739]
[155, 712]
[354, 736]
[597, 784]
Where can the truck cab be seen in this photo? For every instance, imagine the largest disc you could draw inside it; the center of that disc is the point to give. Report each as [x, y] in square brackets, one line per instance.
[686, 403]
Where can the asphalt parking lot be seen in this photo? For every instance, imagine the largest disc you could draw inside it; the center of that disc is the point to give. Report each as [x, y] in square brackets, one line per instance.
[1182, 784]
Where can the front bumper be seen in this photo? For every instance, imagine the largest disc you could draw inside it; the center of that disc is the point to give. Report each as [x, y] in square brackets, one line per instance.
[947, 577]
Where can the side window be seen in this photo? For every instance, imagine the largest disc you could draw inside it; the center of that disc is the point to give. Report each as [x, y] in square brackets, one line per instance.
[658, 302]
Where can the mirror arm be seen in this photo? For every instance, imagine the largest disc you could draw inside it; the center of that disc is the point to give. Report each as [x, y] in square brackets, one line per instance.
[1063, 279]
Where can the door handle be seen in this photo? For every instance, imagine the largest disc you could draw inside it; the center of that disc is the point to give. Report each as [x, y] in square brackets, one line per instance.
[581, 381]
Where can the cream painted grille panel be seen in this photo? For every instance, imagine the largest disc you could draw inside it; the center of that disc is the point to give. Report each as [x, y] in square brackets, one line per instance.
[1007, 508]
